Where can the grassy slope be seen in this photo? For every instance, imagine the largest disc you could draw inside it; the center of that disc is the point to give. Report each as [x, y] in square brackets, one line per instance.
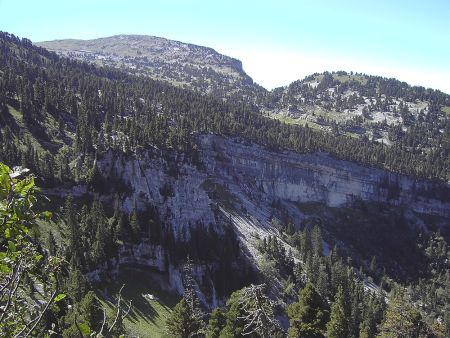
[50, 124]
[446, 110]
[148, 317]
[346, 78]
[291, 120]
[302, 122]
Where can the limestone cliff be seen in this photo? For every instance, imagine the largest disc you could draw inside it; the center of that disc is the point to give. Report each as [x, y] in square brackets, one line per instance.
[234, 184]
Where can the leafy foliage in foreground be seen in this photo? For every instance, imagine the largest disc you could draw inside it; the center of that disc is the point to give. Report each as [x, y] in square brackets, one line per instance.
[29, 280]
[35, 289]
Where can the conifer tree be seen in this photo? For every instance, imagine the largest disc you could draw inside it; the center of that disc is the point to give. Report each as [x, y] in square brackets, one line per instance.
[308, 316]
[119, 231]
[402, 319]
[135, 225]
[91, 310]
[190, 293]
[186, 319]
[74, 235]
[316, 241]
[290, 229]
[98, 253]
[337, 327]
[51, 244]
[180, 323]
[76, 283]
[216, 323]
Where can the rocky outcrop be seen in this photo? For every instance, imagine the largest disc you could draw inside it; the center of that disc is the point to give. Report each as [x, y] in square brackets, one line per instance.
[252, 178]
[318, 177]
[236, 184]
[154, 257]
[175, 191]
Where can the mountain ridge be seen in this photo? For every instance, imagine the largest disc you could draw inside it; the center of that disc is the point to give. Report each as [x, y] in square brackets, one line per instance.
[60, 46]
[162, 173]
[355, 104]
[183, 64]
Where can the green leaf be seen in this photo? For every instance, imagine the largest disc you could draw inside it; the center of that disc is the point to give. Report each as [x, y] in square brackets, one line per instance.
[11, 246]
[85, 329]
[59, 297]
[24, 186]
[4, 268]
[47, 215]
[4, 180]
[4, 169]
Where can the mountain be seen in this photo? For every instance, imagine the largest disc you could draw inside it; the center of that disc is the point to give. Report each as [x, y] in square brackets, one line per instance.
[381, 110]
[217, 201]
[357, 105]
[179, 63]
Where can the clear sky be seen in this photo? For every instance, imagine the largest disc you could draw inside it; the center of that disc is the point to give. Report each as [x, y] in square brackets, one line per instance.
[278, 41]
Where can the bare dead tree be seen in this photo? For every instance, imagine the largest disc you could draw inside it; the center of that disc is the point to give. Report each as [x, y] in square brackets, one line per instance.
[190, 292]
[258, 312]
[122, 311]
[20, 314]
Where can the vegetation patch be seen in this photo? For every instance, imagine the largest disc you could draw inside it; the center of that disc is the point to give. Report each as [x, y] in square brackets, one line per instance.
[344, 78]
[446, 110]
[311, 207]
[150, 305]
[219, 193]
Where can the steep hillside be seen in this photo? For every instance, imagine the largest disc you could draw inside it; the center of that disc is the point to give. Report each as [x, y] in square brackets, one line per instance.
[383, 110]
[179, 63]
[144, 174]
[413, 121]
[380, 109]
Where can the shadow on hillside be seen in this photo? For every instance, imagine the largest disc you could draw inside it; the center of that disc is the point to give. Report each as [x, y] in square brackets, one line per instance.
[138, 282]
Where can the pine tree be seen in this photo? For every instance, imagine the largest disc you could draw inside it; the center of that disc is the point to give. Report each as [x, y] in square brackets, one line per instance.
[51, 244]
[119, 230]
[305, 244]
[316, 241]
[234, 325]
[402, 319]
[91, 311]
[74, 245]
[98, 253]
[308, 316]
[181, 324]
[290, 229]
[135, 225]
[117, 208]
[216, 323]
[190, 294]
[323, 284]
[337, 327]
[86, 226]
[76, 283]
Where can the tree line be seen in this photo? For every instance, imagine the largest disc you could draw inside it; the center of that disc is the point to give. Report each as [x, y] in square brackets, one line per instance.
[71, 109]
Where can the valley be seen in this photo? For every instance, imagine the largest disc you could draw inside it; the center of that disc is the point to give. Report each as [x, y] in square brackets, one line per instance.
[167, 169]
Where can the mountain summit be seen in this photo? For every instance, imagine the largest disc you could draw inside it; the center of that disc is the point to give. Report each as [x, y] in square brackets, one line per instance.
[179, 63]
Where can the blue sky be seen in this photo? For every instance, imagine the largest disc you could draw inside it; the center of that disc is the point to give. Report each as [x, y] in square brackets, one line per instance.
[277, 41]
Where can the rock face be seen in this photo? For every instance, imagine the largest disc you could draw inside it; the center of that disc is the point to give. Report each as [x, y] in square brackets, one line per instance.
[319, 177]
[176, 192]
[154, 257]
[234, 185]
